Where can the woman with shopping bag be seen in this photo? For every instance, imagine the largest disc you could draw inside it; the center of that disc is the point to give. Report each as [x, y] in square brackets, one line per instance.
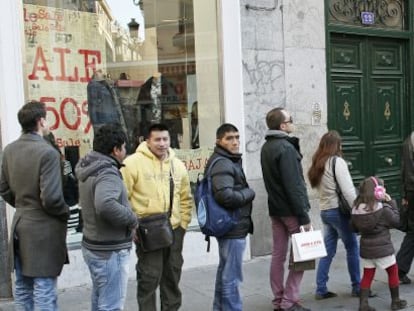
[325, 179]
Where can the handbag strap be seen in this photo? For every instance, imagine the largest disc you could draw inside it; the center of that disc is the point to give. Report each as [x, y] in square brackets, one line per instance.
[334, 176]
[171, 189]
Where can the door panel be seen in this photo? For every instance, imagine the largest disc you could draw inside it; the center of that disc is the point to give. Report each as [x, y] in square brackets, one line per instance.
[347, 111]
[387, 57]
[386, 110]
[367, 100]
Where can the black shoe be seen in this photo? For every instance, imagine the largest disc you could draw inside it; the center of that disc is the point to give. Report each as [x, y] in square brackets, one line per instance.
[404, 279]
[297, 307]
[325, 296]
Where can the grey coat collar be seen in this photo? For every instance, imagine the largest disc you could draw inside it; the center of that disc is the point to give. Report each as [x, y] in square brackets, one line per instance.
[276, 133]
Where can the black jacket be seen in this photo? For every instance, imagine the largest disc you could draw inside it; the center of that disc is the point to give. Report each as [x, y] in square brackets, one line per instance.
[231, 191]
[283, 176]
[407, 167]
[374, 228]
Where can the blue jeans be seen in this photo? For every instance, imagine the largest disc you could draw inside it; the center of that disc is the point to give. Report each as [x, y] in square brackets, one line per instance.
[337, 226]
[229, 275]
[34, 293]
[109, 273]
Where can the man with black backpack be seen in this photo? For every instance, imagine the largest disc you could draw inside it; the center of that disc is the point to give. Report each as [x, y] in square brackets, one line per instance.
[231, 191]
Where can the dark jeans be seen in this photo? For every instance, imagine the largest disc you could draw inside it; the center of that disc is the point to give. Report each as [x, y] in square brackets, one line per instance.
[406, 253]
[160, 268]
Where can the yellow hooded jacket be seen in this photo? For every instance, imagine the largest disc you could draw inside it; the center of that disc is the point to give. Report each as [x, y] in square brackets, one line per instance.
[147, 180]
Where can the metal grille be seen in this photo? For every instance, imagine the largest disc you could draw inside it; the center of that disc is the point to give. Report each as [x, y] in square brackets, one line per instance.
[388, 14]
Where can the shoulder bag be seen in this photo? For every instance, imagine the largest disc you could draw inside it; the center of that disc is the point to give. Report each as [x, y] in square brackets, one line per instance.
[155, 231]
[343, 205]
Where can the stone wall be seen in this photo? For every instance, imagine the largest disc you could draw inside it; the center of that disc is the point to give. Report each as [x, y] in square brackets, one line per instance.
[284, 65]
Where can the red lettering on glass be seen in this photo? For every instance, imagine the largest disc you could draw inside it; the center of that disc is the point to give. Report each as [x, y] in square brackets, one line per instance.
[85, 113]
[63, 76]
[36, 67]
[91, 59]
[65, 121]
[52, 125]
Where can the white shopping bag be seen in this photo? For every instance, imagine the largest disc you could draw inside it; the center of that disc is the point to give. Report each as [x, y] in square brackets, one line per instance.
[308, 245]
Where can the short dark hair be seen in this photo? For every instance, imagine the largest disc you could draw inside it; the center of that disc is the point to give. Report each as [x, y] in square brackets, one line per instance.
[107, 137]
[225, 128]
[157, 127]
[275, 118]
[30, 114]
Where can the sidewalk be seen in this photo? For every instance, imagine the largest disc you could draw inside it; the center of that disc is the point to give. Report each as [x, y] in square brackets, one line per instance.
[198, 289]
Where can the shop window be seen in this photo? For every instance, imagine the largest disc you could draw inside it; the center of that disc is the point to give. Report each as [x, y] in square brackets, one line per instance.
[128, 62]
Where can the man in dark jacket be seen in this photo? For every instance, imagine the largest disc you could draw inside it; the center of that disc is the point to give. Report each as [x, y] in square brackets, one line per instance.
[288, 203]
[31, 182]
[231, 191]
[108, 218]
[406, 253]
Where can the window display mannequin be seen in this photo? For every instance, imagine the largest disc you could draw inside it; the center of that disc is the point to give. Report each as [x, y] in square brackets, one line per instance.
[131, 111]
[103, 102]
[154, 97]
[195, 142]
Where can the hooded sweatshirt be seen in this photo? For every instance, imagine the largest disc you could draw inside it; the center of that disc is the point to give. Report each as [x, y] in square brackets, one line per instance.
[107, 215]
[147, 180]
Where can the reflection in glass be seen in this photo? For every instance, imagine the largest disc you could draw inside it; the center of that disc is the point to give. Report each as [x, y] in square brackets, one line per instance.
[127, 62]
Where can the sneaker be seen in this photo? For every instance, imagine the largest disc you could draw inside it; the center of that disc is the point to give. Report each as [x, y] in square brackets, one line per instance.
[297, 307]
[404, 279]
[325, 296]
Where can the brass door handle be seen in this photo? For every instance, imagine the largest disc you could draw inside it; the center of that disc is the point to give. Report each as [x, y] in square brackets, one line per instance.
[388, 160]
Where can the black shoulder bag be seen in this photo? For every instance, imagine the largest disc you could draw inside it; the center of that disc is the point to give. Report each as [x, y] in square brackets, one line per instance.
[343, 205]
[155, 231]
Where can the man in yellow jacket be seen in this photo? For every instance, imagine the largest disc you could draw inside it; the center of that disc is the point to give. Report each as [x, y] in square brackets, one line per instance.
[147, 178]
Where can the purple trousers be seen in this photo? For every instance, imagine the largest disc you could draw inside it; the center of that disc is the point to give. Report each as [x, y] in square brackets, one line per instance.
[286, 293]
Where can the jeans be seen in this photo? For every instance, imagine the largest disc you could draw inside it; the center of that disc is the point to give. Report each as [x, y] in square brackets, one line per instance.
[229, 275]
[160, 268]
[34, 293]
[109, 274]
[337, 226]
[285, 296]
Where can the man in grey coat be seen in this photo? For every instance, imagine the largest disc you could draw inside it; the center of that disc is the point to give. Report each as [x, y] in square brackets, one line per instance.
[31, 182]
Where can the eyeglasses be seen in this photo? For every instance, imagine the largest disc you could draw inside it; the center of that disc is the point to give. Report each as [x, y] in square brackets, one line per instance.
[289, 121]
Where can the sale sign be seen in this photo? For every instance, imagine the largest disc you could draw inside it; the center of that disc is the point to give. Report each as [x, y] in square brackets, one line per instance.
[63, 49]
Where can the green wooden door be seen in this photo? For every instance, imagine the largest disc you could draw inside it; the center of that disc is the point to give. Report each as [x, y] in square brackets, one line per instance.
[367, 104]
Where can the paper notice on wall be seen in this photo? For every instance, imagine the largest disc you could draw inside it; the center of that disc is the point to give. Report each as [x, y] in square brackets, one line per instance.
[195, 160]
[62, 49]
